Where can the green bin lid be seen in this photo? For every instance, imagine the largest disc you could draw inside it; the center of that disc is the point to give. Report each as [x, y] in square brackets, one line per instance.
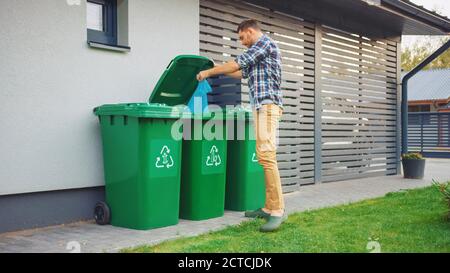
[141, 110]
[178, 82]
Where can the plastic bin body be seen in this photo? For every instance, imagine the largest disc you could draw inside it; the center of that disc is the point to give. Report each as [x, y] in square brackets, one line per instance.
[245, 186]
[204, 166]
[142, 171]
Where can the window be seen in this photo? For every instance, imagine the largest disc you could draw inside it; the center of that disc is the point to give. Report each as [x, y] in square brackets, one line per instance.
[95, 16]
[102, 22]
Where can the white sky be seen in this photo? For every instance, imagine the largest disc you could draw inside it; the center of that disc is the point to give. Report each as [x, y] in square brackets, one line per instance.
[441, 6]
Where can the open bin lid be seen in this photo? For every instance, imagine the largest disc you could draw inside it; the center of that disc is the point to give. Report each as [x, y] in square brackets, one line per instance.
[178, 82]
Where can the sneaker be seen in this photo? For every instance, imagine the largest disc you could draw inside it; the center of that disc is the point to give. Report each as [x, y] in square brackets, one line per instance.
[273, 223]
[259, 213]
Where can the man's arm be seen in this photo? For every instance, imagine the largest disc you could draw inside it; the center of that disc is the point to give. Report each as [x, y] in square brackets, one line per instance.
[236, 75]
[229, 68]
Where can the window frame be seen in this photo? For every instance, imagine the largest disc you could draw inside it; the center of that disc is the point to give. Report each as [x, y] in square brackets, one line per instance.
[109, 35]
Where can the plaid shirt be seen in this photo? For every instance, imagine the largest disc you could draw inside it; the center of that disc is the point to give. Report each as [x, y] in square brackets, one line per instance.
[261, 64]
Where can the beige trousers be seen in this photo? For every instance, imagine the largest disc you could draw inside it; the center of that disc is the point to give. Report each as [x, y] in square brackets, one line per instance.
[266, 120]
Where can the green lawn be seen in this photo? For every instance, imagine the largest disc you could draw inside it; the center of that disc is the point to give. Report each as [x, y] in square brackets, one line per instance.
[408, 221]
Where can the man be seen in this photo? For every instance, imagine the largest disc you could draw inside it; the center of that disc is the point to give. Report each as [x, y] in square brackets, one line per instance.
[261, 64]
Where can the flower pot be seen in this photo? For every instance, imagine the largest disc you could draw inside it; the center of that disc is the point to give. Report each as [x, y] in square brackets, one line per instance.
[413, 168]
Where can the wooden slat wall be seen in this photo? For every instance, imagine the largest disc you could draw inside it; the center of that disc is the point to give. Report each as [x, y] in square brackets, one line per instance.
[357, 85]
[359, 101]
[295, 38]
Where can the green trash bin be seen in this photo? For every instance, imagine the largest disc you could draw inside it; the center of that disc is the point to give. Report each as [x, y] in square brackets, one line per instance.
[245, 186]
[204, 166]
[142, 157]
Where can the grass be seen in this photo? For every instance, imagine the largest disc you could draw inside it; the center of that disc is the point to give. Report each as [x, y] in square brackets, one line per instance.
[406, 221]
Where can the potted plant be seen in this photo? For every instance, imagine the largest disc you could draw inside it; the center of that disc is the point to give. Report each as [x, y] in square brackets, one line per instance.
[413, 165]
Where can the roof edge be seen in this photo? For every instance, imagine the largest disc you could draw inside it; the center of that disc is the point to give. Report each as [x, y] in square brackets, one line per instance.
[419, 13]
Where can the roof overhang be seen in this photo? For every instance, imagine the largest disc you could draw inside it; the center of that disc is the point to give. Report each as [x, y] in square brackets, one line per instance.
[372, 18]
[417, 20]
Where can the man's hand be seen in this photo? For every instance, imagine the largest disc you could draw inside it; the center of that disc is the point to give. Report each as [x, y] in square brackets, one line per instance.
[203, 75]
[228, 68]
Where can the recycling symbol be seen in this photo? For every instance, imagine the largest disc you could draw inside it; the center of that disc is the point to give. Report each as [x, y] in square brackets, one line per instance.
[165, 160]
[254, 158]
[213, 158]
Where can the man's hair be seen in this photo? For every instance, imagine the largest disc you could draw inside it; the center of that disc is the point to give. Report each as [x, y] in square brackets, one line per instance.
[246, 24]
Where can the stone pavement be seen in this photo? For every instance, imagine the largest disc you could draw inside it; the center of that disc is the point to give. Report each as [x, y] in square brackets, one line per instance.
[89, 237]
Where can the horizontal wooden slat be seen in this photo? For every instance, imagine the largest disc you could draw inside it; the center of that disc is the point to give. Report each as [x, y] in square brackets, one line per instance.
[388, 50]
[357, 103]
[344, 68]
[354, 134]
[357, 79]
[358, 116]
[358, 151]
[354, 87]
[356, 157]
[369, 162]
[345, 176]
[290, 188]
[292, 40]
[250, 11]
[342, 127]
[338, 120]
[327, 146]
[351, 46]
[332, 46]
[359, 63]
[357, 110]
[352, 139]
[306, 181]
[230, 23]
[358, 97]
[356, 170]
[384, 43]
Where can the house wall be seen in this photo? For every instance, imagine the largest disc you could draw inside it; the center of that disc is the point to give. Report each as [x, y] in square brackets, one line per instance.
[50, 82]
[433, 106]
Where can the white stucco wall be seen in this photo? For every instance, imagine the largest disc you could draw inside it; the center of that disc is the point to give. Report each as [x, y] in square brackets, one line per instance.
[50, 81]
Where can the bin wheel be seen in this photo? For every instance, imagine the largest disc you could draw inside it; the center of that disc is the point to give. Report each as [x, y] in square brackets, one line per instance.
[102, 213]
